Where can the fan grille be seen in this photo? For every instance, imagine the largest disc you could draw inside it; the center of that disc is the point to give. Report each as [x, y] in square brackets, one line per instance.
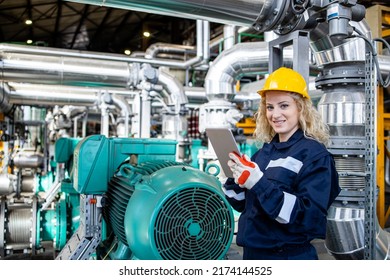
[193, 223]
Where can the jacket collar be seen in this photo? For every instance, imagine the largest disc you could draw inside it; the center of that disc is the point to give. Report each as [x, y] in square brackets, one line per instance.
[298, 135]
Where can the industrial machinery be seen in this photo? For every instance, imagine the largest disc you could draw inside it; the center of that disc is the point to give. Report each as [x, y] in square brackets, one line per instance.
[36, 223]
[123, 191]
[155, 207]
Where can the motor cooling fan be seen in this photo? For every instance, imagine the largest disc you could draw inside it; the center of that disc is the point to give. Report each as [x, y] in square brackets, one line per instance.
[168, 210]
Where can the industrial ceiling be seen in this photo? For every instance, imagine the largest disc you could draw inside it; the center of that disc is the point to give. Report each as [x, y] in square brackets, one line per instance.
[69, 25]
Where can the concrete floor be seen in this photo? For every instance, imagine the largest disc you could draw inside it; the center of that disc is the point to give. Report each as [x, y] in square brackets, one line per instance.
[235, 252]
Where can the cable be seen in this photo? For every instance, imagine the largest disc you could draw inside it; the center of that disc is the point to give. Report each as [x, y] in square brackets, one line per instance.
[384, 83]
[387, 82]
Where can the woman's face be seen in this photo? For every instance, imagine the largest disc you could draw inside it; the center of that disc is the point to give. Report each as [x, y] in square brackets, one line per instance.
[282, 113]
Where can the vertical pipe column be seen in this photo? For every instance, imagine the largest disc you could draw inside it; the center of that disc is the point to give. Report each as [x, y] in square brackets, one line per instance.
[145, 114]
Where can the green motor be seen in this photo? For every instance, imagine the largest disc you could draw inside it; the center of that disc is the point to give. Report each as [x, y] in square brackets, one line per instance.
[169, 210]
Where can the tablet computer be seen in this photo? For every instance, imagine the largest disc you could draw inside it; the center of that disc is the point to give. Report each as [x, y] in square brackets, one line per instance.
[223, 143]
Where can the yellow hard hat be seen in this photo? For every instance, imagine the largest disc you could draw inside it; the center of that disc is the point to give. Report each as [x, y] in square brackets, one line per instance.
[285, 79]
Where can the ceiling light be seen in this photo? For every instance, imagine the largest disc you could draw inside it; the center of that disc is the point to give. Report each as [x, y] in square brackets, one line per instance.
[127, 52]
[29, 42]
[28, 21]
[146, 34]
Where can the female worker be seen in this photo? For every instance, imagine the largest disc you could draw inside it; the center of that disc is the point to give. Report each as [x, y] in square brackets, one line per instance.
[284, 191]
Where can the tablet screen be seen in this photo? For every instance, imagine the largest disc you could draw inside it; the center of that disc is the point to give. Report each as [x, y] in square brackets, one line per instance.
[223, 143]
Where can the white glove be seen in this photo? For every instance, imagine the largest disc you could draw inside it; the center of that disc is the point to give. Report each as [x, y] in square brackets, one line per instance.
[246, 173]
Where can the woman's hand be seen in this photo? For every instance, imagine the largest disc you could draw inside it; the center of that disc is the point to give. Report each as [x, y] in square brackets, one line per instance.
[246, 173]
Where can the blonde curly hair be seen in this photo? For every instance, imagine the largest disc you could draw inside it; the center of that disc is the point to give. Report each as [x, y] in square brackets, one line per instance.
[310, 121]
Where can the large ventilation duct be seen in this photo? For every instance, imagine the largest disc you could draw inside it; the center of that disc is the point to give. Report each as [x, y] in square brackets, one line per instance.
[281, 16]
[262, 14]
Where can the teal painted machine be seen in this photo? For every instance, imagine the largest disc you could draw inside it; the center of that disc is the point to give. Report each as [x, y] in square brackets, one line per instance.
[166, 210]
[154, 207]
[33, 224]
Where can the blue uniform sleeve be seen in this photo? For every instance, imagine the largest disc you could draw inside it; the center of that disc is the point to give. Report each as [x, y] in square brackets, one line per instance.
[234, 194]
[305, 206]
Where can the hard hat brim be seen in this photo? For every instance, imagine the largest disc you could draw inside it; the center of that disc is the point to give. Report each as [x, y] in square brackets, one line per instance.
[262, 92]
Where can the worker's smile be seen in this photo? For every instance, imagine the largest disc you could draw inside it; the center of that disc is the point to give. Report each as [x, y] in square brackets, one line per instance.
[279, 122]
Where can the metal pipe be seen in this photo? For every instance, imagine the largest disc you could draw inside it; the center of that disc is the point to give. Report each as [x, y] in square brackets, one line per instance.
[238, 60]
[13, 53]
[24, 94]
[28, 160]
[253, 57]
[145, 112]
[328, 50]
[205, 41]
[37, 94]
[5, 105]
[345, 233]
[21, 63]
[125, 112]
[230, 36]
[34, 50]
[173, 87]
[342, 107]
[7, 183]
[65, 69]
[263, 14]
[155, 49]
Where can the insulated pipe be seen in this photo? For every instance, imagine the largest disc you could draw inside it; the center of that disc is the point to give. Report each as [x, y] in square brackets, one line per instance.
[48, 95]
[253, 57]
[68, 54]
[47, 68]
[238, 60]
[30, 94]
[44, 95]
[225, 36]
[155, 49]
[5, 105]
[205, 42]
[262, 14]
[230, 35]
[121, 103]
[242, 58]
[115, 61]
[173, 87]
[29, 63]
